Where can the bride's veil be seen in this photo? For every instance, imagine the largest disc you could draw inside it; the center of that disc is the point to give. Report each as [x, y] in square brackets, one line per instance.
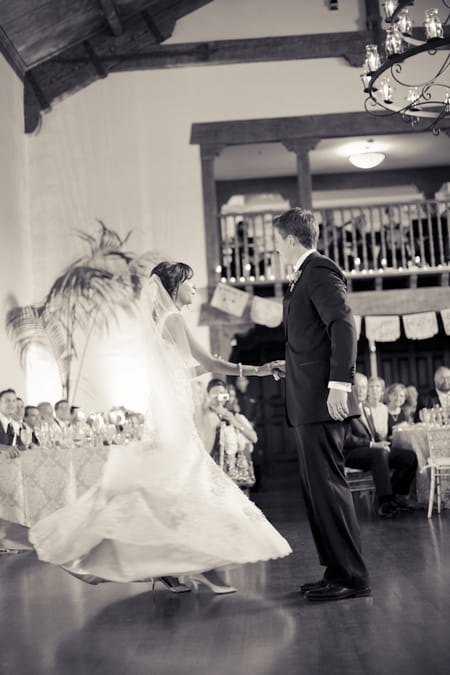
[168, 364]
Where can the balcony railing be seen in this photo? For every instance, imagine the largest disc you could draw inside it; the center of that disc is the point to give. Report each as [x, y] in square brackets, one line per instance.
[366, 239]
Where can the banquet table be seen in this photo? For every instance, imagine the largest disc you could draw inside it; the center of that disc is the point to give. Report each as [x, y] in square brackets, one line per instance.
[419, 437]
[43, 480]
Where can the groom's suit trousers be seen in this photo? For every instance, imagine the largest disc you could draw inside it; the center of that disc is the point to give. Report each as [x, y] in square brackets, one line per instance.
[329, 502]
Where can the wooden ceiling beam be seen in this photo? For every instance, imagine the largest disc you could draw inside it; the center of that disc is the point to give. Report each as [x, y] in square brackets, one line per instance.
[135, 49]
[143, 56]
[109, 9]
[154, 28]
[12, 55]
[95, 60]
[238, 132]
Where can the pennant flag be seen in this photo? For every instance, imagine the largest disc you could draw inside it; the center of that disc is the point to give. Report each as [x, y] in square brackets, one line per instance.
[445, 315]
[420, 326]
[383, 328]
[230, 300]
[266, 312]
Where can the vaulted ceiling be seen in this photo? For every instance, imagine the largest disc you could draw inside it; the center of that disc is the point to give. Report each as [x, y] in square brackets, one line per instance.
[60, 46]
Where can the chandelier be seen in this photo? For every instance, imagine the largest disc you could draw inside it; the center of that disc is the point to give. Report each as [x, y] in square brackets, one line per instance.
[414, 79]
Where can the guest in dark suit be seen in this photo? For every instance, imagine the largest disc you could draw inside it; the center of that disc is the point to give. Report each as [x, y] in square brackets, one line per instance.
[365, 450]
[31, 420]
[439, 396]
[8, 436]
[319, 369]
[17, 422]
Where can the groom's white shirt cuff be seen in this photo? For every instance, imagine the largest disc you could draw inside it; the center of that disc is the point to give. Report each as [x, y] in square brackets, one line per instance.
[341, 386]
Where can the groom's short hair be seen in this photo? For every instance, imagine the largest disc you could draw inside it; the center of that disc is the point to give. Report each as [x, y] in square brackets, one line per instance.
[300, 224]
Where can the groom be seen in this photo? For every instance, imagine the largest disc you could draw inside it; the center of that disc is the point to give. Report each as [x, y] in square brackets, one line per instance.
[319, 369]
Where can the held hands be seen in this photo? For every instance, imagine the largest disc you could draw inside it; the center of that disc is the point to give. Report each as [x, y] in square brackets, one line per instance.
[337, 404]
[278, 369]
[275, 368]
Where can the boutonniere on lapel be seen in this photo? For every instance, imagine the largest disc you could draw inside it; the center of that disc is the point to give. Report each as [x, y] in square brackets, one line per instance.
[293, 278]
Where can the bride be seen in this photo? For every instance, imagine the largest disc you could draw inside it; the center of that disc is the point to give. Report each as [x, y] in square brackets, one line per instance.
[163, 508]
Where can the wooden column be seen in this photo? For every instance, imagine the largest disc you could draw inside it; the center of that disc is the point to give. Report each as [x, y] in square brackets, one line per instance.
[210, 210]
[302, 147]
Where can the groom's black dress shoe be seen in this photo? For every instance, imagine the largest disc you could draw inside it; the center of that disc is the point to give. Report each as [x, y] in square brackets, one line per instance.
[333, 591]
[313, 586]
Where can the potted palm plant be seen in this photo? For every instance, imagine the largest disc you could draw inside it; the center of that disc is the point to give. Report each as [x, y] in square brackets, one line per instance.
[85, 298]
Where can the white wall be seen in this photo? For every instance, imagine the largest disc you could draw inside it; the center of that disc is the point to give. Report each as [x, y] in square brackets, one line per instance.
[119, 151]
[15, 261]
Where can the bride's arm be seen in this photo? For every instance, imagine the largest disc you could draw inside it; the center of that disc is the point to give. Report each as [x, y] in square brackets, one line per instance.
[217, 365]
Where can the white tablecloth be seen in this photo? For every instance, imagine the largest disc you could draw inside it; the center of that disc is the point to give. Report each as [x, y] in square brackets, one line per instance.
[43, 480]
[417, 437]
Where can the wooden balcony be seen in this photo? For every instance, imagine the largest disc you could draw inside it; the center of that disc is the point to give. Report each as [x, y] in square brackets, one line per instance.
[378, 246]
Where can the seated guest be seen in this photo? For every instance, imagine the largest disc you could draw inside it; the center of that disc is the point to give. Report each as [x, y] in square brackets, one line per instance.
[395, 397]
[8, 436]
[74, 416]
[63, 416]
[440, 395]
[252, 409]
[376, 409]
[31, 421]
[410, 405]
[226, 435]
[17, 422]
[46, 412]
[365, 451]
[51, 430]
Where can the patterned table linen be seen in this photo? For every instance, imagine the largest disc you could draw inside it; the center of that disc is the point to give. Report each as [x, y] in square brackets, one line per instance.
[417, 437]
[43, 480]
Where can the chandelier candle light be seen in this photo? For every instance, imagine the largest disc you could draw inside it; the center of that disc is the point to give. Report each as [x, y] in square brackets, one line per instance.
[398, 85]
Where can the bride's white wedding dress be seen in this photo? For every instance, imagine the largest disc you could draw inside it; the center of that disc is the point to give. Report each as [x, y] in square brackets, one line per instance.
[162, 506]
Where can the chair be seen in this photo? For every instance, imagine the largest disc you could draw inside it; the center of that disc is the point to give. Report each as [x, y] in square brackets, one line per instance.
[360, 482]
[438, 463]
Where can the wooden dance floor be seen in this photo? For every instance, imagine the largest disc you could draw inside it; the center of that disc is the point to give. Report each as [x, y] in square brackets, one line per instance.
[51, 623]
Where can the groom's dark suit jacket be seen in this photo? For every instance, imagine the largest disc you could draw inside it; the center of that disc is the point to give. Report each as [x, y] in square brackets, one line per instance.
[320, 341]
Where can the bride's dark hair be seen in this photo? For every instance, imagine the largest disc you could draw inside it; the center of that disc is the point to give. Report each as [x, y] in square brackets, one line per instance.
[172, 275]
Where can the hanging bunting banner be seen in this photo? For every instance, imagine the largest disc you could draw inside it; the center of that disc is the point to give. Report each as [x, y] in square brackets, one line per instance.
[357, 325]
[420, 326]
[382, 328]
[230, 300]
[445, 315]
[266, 312]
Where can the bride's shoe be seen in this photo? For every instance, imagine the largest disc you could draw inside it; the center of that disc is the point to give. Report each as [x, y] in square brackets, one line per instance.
[197, 579]
[172, 583]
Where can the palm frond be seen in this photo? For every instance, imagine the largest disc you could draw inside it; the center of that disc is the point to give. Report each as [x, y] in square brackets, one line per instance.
[60, 339]
[89, 239]
[86, 295]
[73, 283]
[25, 327]
[110, 239]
